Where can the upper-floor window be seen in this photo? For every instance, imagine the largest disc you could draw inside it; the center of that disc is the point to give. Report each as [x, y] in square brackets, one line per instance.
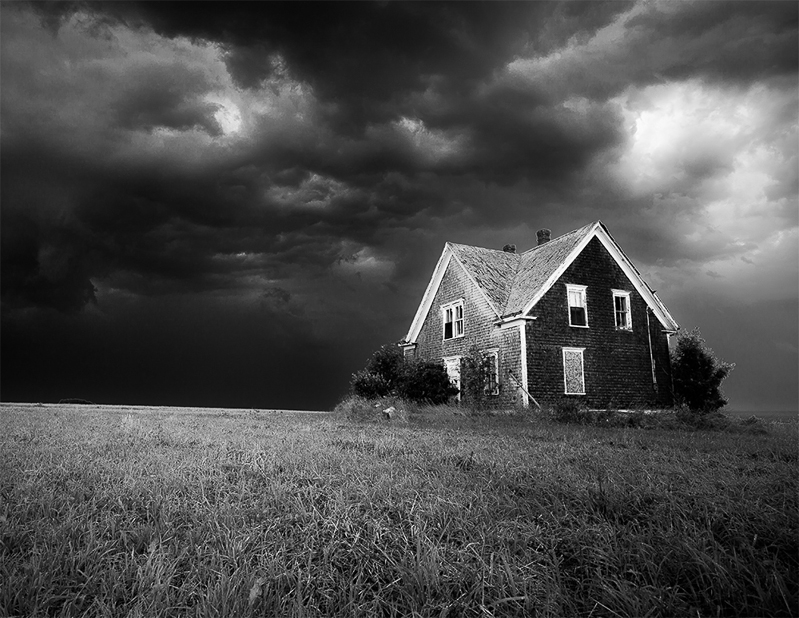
[578, 312]
[453, 319]
[621, 310]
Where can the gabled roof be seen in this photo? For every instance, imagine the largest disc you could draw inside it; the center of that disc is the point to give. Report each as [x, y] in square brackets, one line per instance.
[537, 265]
[513, 283]
[490, 269]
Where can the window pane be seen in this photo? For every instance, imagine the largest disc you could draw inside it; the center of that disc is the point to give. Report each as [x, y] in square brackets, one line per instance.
[576, 316]
[622, 309]
[575, 298]
[447, 330]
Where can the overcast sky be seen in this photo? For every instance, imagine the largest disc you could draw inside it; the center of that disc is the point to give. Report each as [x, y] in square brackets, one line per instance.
[234, 205]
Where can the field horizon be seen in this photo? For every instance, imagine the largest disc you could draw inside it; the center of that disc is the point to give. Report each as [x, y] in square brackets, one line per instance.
[776, 415]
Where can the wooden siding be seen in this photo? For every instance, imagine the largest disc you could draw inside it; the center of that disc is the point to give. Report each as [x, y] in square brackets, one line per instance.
[618, 370]
[479, 331]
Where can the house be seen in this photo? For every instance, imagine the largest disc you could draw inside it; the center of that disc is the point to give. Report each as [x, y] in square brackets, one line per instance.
[570, 319]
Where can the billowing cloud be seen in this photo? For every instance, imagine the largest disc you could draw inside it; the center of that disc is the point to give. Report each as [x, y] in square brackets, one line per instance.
[296, 168]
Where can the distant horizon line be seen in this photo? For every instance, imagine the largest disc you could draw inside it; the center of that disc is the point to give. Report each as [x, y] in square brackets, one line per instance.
[743, 410]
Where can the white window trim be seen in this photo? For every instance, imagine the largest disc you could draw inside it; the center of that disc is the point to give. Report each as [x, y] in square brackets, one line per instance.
[572, 287]
[582, 369]
[453, 305]
[623, 294]
[495, 353]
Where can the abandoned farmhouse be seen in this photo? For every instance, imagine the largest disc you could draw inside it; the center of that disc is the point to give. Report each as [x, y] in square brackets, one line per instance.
[570, 319]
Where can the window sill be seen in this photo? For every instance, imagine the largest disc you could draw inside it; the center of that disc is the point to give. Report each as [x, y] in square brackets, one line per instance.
[578, 326]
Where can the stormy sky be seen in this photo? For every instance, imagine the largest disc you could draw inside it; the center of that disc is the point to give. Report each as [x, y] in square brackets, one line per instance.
[235, 204]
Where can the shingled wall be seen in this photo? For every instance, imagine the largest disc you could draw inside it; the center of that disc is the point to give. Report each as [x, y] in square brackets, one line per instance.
[618, 371]
[479, 330]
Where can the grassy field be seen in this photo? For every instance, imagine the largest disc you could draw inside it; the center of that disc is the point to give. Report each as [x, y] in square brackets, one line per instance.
[167, 512]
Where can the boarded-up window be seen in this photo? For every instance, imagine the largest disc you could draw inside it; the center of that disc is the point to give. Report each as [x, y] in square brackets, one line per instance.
[573, 374]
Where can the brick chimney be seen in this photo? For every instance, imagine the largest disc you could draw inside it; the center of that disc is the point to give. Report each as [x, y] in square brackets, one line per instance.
[543, 236]
[509, 248]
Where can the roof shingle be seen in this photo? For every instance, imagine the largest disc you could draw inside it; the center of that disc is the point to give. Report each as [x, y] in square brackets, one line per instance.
[510, 280]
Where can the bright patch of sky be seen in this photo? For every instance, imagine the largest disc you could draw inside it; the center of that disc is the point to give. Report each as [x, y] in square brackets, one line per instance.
[432, 145]
[366, 263]
[227, 115]
[702, 150]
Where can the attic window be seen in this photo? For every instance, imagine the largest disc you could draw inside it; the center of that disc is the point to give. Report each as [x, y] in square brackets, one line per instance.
[621, 309]
[578, 312]
[453, 319]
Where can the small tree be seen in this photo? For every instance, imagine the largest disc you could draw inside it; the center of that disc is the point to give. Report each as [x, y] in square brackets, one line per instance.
[382, 375]
[426, 382]
[697, 374]
[475, 370]
[387, 372]
[369, 385]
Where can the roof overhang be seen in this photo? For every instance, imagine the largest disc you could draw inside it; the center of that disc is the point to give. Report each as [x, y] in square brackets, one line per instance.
[514, 320]
[429, 294]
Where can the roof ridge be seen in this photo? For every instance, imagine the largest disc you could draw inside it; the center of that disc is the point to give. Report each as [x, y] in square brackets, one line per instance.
[579, 229]
[557, 244]
[483, 248]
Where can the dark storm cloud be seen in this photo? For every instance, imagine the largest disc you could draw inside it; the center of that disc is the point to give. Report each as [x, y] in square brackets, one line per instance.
[734, 43]
[368, 64]
[303, 163]
[738, 42]
[165, 96]
[49, 268]
[352, 51]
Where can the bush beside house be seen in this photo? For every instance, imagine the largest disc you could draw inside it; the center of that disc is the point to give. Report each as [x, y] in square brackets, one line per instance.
[389, 374]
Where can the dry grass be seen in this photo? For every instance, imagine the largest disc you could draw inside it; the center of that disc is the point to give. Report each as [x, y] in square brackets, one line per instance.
[137, 512]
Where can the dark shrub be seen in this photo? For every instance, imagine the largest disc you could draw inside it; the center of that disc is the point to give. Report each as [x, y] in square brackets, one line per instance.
[697, 374]
[382, 374]
[703, 420]
[426, 382]
[388, 373]
[369, 385]
[475, 370]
